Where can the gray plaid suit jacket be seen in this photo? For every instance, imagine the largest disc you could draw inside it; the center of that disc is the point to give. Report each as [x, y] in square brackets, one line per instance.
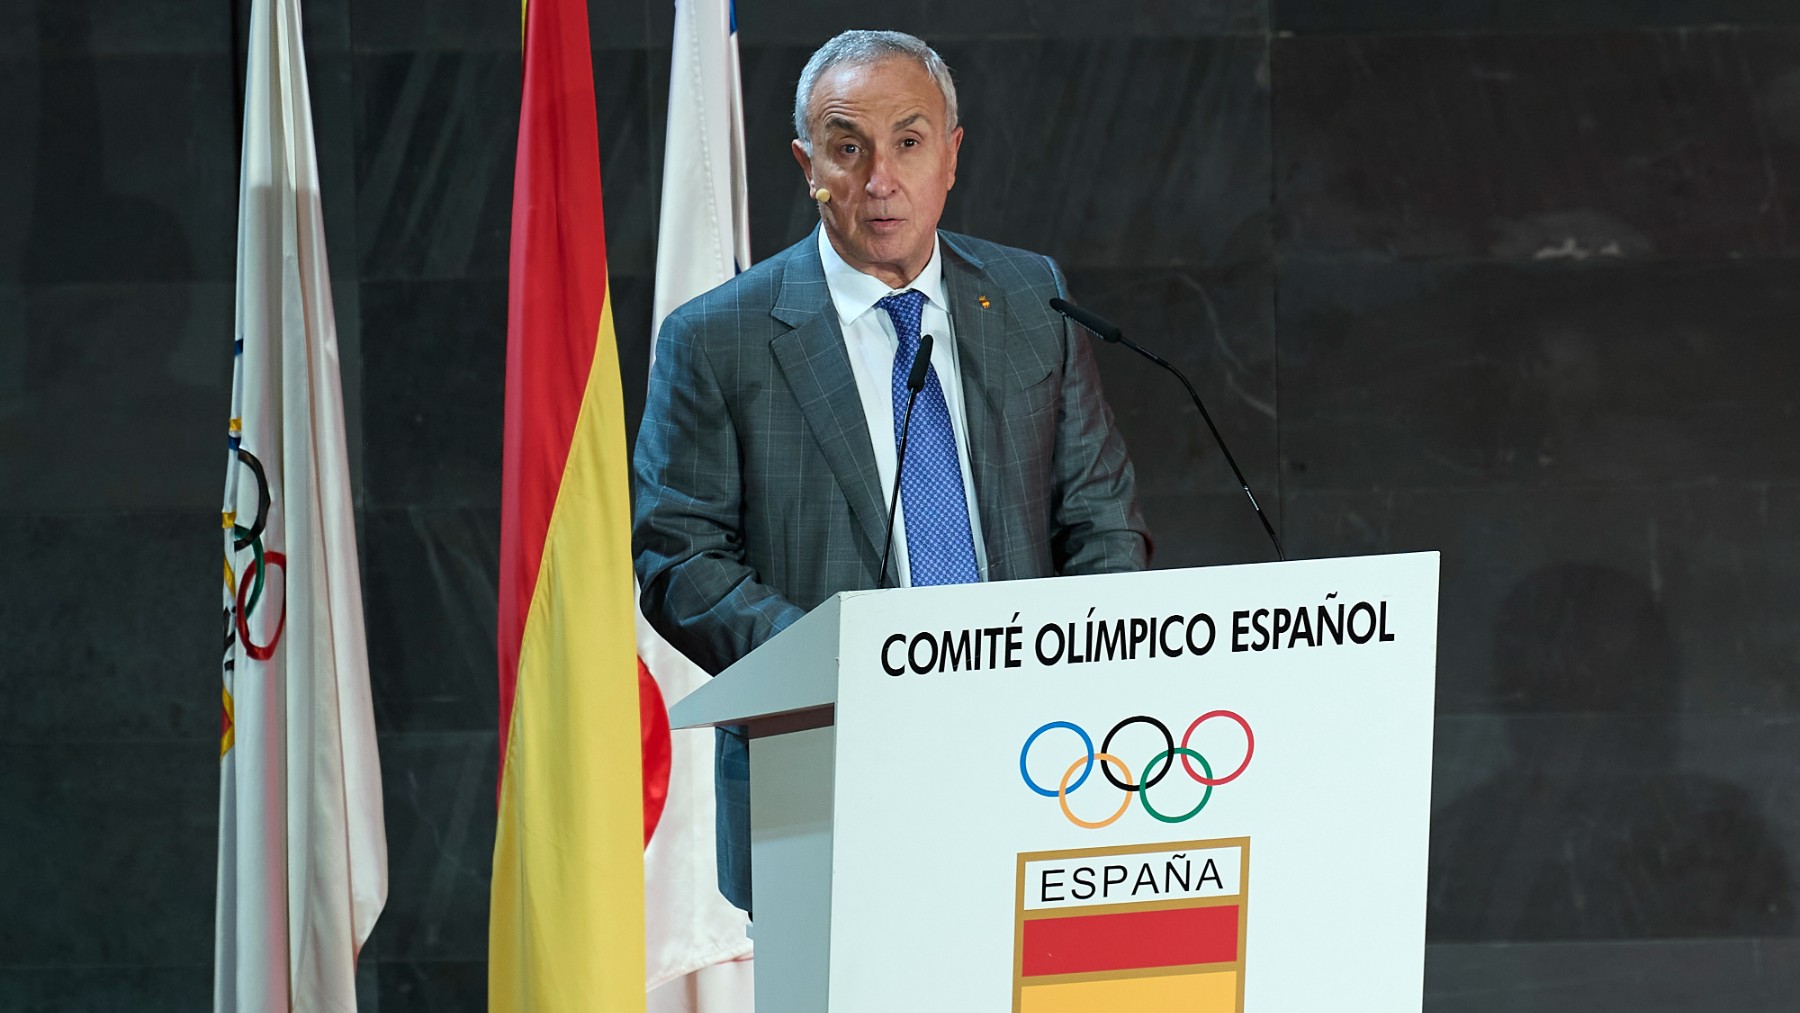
[757, 495]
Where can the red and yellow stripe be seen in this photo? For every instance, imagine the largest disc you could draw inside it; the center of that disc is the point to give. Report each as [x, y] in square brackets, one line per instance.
[566, 929]
[1144, 958]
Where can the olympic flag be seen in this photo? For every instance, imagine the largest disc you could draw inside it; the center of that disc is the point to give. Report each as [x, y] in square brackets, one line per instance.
[302, 852]
[566, 924]
[697, 954]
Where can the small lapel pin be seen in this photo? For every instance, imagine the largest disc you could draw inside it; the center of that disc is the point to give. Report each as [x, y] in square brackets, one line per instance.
[983, 300]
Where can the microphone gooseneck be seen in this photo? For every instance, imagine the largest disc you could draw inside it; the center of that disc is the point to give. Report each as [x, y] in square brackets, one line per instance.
[915, 382]
[1110, 333]
[1099, 326]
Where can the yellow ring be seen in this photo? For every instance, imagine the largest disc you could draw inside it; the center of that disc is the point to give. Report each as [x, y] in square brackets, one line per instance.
[1062, 791]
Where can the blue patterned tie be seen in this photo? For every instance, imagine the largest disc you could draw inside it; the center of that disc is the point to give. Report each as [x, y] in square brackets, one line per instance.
[939, 546]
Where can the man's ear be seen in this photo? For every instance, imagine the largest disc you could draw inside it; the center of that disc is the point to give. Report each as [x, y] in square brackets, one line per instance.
[805, 161]
[955, 146]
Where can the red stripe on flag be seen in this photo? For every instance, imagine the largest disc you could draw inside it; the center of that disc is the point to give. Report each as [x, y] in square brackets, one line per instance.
[557, 290]
[1135, 939]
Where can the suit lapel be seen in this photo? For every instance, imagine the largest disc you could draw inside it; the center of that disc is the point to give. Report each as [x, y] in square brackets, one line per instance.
[978, 312]
[816, 366]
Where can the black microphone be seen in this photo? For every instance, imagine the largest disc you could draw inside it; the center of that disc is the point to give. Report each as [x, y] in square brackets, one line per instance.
[915, 382]
[1110, 332]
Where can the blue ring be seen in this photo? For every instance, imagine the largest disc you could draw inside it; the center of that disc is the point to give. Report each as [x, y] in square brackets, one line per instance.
[1085, 740]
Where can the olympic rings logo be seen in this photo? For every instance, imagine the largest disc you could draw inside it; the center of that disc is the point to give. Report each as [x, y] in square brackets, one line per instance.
[247, 592]
[1078, 772]
[243, 593]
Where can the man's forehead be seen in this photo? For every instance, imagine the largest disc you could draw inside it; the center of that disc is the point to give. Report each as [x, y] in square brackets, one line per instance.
[849, 93]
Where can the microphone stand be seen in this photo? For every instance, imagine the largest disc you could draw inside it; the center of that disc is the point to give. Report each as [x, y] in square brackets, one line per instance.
[1110, 333]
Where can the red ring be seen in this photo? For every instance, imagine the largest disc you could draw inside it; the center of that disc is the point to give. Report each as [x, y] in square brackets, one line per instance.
[1249, 748]
[264, 653]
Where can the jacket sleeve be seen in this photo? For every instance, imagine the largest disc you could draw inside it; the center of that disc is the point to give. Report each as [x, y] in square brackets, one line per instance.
[687, 530]
[1096, 526]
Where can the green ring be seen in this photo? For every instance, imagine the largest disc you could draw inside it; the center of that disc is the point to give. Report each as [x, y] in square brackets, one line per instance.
[257, 588]
[1144, 792]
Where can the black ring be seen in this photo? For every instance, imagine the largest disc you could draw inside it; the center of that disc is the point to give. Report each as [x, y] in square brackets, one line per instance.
[1168, 758]
[262, 500]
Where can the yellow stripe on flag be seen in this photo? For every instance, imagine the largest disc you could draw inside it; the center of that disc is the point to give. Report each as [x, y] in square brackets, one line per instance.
[566, 931]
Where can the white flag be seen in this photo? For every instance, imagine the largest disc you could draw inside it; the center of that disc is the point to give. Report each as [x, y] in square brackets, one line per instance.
[702, 241]
[302, 850]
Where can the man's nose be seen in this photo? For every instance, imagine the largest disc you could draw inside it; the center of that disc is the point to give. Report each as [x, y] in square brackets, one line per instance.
[881, 184]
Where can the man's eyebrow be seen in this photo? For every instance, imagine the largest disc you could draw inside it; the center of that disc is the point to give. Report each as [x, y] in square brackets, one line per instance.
[910, 120]
[840, 123]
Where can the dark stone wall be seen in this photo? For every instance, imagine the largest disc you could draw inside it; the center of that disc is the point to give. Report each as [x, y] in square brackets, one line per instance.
[1510, 281]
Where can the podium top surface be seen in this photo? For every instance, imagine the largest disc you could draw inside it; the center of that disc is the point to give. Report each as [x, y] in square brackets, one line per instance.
[791, 681]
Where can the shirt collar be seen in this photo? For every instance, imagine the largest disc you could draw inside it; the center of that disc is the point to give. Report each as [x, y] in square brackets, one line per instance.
[854, 293]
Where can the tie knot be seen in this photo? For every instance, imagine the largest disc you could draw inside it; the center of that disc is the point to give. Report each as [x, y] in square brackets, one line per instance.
[904, 308]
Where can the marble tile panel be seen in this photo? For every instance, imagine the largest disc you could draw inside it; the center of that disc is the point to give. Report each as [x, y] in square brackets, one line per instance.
[1675, 976]
[429, 586]
[630, 174]
[438, 793]
[434, 359]
[1758, 752]
[1489, 16]
[111, 626]
[1648, 599]
[49, 28]
[1063, 154]
[632, 297]
[1215, 325]
[1592, 146]
[655, 98]
[942, 22]
[119, 396]
[437, 137]
[1549, 826]
[334, 107]
[434, 362]
[57, 989]
[327, 25]
[439, 986]
[1206, 529]
[472, 26]
[110, 851]
[1445, 376]
[123, 169]
[21, 81]
[346, 298]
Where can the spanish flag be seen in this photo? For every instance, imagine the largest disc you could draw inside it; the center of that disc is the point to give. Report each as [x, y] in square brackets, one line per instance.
[566, 928]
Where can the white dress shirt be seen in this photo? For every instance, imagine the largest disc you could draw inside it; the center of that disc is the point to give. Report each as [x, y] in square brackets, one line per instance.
[870, 339]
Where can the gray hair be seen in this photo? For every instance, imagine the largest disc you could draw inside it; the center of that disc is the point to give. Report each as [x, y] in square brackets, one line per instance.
[860, 48]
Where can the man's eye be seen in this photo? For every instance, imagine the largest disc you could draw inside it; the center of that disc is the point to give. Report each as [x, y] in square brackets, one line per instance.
[849, 149]
[911, 142]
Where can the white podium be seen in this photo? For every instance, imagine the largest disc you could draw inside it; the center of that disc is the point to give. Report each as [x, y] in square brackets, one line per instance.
[1057, 795]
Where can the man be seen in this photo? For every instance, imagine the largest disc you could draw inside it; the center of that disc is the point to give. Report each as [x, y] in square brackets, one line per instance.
[767, 449]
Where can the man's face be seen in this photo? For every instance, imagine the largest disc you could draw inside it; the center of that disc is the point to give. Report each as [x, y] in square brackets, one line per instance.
[879, 146]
